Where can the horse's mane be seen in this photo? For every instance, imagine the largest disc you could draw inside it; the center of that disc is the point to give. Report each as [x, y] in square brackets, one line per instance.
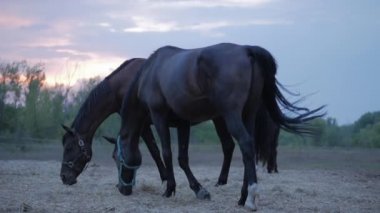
[120, 68]
[100, 92]
[97, 95]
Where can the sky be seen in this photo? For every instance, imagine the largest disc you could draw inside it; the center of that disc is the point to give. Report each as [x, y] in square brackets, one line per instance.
[327, 50]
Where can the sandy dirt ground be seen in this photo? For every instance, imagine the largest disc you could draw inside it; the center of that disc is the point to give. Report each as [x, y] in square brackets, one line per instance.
[308, 181]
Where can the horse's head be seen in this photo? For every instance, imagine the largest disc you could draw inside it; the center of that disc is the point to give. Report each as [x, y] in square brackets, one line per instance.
[76, 155]
[126, 172]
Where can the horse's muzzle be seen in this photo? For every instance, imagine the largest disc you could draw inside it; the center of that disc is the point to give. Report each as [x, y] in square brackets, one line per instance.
[68, 179]
[125, 190]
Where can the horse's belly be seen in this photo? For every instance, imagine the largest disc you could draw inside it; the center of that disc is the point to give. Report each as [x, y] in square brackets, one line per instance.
[196, 111]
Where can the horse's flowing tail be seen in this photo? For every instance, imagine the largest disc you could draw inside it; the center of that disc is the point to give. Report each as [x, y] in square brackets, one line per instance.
[273, 99]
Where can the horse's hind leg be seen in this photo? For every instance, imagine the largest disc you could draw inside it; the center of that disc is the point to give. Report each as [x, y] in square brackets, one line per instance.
[228, 149]
[154, 151]
[272, 163]
[239, 132]
[275, 141]
[159, 119]
[183, 159]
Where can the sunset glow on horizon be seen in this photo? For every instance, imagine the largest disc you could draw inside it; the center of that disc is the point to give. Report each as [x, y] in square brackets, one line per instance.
[68, 72]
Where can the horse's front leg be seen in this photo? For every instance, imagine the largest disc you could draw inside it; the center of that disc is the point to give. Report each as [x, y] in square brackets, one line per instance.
[227, 146]
[154, 151]
[159, 119]
[183, 159]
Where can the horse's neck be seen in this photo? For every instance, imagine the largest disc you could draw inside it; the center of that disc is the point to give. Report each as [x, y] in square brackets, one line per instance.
[87, 123]
[87, 126]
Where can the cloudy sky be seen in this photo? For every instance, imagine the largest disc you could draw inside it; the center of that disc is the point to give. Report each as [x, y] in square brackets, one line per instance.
[328, 49]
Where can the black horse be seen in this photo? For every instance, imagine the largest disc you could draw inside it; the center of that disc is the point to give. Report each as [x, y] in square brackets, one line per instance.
[182, 87]
[106, 99]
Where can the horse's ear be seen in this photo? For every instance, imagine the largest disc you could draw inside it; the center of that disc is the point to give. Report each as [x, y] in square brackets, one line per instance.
[109, 139]
[69, 130]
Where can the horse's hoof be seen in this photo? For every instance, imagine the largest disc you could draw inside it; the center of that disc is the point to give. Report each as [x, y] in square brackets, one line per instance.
[252, 199]
[241, 202]
[168, 193]
[221, 183]
[203, 194]
[251, 206]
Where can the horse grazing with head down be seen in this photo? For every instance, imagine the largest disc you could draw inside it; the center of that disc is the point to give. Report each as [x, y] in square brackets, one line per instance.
[183, 87]
[106, 99]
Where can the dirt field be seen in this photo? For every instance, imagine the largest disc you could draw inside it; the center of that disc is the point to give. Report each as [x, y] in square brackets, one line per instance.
[310, 180]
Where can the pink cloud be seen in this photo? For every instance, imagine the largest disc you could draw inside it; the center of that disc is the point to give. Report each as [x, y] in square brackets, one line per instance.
[48, 42]
[12, 21]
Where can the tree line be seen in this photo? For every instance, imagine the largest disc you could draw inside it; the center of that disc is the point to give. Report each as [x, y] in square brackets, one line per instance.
[29, 108]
